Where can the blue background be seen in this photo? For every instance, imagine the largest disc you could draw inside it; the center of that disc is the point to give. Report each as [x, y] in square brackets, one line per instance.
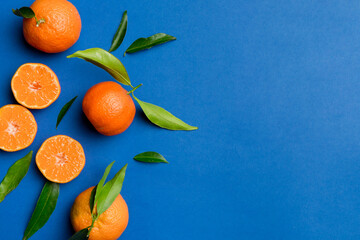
[272, 85]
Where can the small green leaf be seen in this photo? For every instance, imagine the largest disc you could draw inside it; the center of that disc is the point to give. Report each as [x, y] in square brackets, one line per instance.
[163, 118]
[110, 191]
[100, 185]
[106, 61]
[81, 235]
[120, 33]
[150, 157]
[146, 43]
[64, 110]
[92, 199]
[44, 208]
[14, 175]
[24, 12]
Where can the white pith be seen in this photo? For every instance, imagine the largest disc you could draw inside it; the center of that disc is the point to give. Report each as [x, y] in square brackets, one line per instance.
[12, 128]
[61, 159]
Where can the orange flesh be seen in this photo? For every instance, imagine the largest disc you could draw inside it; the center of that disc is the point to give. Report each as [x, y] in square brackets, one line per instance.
[60, 159]
[35, 86]
[17, 128]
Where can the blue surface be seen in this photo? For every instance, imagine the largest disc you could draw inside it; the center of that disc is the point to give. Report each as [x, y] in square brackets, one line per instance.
[273, 86]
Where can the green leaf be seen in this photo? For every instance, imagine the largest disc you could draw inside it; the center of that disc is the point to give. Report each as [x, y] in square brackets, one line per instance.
[163, 118]
[110, 191]
[64, 110]
[44, 208]
[81, 235]
[150, 157]
[120, 33]
[14, 175]
[100, 185]
[146, 43]
[24, 12]
[92, 199]
[106, 61]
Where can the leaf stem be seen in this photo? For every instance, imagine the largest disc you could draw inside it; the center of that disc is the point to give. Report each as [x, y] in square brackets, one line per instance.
[92, 225]
[134, 88]
[40, 21]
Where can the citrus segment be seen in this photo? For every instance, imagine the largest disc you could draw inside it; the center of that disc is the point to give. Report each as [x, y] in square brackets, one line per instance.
[17, 128]
[109, 226]
[60, 159]
[35, 86]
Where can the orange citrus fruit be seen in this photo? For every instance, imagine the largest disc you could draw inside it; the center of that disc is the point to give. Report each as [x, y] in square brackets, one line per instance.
[109, 226]
[17, 128]
[56, 28]
[109, 108]
[35, 86]
[60, 159]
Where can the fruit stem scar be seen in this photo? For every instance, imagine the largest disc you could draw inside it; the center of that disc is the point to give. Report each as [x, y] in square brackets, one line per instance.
[134, 88]
[40, 21]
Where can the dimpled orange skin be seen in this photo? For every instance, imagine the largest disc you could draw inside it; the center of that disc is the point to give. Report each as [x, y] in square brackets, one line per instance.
[109, 108]
[61, 29]
[109, 226]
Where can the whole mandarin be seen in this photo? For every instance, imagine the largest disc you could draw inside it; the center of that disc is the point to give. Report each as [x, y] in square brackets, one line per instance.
[59, 31]
[109, 108]
[110, 224]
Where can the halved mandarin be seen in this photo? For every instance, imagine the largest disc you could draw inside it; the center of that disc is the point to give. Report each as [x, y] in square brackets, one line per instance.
[35, 86]
[17, 128]
[60, 159]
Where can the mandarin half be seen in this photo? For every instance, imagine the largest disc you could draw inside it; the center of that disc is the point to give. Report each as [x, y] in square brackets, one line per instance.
[17, 128]
[35, 86]
[60, 159]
